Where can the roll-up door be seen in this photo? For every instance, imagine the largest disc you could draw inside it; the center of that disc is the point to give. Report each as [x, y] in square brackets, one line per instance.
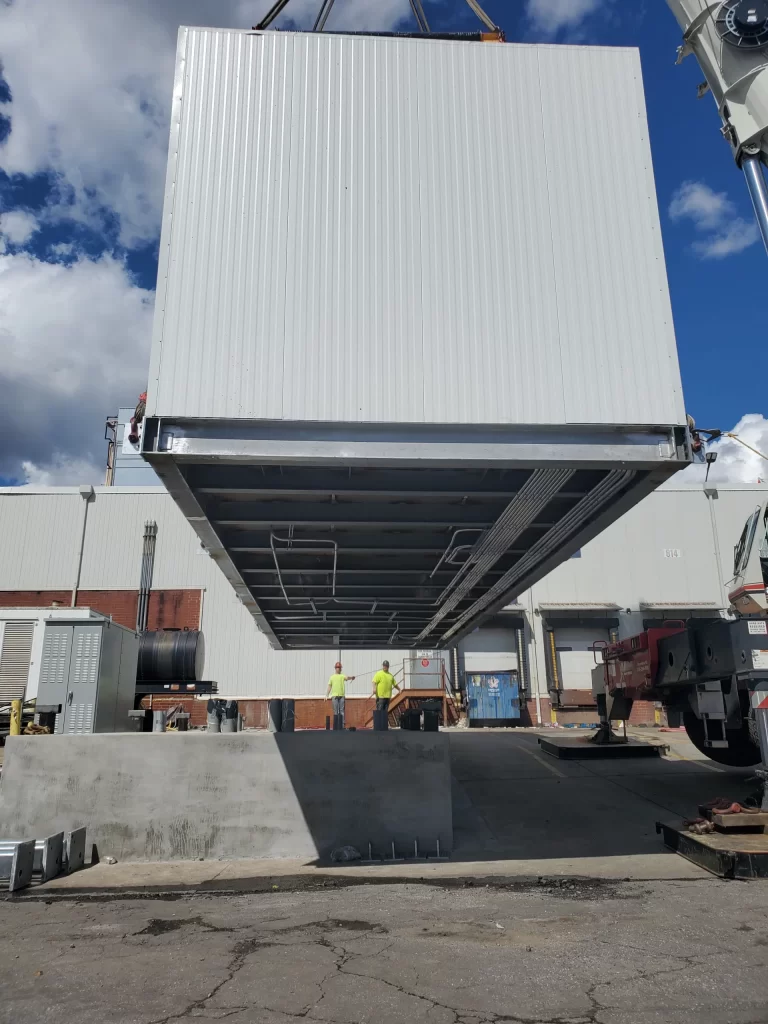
[575, 655]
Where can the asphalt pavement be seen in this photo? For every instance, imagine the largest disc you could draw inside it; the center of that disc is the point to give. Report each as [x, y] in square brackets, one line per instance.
[685, 952]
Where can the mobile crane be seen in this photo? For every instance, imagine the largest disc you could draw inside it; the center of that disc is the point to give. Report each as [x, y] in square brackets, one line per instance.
[713, 671]
[716, 671]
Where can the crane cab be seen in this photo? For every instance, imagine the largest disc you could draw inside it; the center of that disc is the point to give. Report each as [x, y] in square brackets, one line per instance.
[750, 566]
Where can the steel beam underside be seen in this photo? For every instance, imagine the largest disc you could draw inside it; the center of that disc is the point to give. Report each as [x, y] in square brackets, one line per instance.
[359, 548]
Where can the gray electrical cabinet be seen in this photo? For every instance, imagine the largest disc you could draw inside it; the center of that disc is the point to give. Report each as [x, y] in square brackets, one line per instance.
[88, 673]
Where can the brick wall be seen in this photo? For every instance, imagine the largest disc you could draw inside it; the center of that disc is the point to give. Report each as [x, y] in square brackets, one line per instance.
[310, 712]
[528, 712]
[168, 609]
[643, 713]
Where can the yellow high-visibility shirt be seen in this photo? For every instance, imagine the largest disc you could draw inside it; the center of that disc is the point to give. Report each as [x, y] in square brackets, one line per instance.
[384, 682]
[336, 683]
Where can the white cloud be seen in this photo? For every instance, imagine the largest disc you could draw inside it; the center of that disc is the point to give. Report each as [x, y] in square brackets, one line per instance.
[548, 17]
[735, 463]
[61, 249]
[737, 236]
[18, 226]
[62, 471]
[91, 86]
[712, 213]
[705, 207]
[74, 343]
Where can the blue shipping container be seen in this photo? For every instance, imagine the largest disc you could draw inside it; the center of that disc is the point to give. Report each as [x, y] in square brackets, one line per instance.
[493, 697]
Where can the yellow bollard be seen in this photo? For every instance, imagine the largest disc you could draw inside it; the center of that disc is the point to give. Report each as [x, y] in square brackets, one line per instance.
[16, 717]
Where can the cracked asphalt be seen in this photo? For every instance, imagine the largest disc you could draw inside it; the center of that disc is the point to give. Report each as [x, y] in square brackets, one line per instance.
[546, 953]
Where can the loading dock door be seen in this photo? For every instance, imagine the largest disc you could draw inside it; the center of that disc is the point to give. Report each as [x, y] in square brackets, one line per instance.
[575, 657]
[490, 649]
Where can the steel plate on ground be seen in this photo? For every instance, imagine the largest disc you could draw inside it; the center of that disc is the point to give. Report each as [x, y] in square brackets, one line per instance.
[581, 748]
[729, 856]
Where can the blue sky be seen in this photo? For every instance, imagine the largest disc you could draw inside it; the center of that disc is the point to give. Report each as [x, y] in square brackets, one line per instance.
[83, 130]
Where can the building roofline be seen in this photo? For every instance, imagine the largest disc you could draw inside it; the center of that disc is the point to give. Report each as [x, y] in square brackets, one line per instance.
[16, 491]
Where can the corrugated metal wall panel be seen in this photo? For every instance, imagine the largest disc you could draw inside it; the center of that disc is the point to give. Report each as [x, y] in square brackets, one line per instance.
[372, 229]
[661, 550]
[617, 337]
[491, 351]
[44, 532]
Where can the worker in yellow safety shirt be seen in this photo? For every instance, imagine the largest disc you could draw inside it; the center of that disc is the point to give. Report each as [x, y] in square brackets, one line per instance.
[383, 685]
[337, 690]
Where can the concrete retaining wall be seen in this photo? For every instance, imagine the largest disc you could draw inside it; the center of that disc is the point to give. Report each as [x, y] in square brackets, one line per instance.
[181, 797]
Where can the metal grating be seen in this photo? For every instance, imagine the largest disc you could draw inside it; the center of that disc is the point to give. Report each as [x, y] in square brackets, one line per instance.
[15, 659]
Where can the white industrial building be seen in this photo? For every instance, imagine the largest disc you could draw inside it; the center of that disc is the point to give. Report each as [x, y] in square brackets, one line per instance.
[669, 557]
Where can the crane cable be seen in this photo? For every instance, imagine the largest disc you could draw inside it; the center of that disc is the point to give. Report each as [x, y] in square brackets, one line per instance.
[737, 438]
[416, 6]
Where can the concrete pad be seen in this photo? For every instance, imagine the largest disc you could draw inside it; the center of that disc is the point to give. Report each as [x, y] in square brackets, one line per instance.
[517, 814]
[189, 795]
[510, 806]
[288, 875]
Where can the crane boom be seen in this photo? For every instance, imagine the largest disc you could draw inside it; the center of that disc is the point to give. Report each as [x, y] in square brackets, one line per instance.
[729, 39]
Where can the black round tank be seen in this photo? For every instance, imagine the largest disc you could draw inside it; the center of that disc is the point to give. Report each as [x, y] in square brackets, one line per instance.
[171, 655]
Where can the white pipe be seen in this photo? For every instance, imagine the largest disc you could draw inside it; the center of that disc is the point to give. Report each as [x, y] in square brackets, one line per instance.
[710, 494]
[86, 493]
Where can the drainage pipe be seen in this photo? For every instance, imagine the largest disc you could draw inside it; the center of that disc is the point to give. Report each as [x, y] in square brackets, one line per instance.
[87, 493]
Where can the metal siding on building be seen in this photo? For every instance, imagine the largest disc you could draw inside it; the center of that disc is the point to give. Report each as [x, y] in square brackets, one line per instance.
[659, 551]
[404, 230]
[46, 532]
